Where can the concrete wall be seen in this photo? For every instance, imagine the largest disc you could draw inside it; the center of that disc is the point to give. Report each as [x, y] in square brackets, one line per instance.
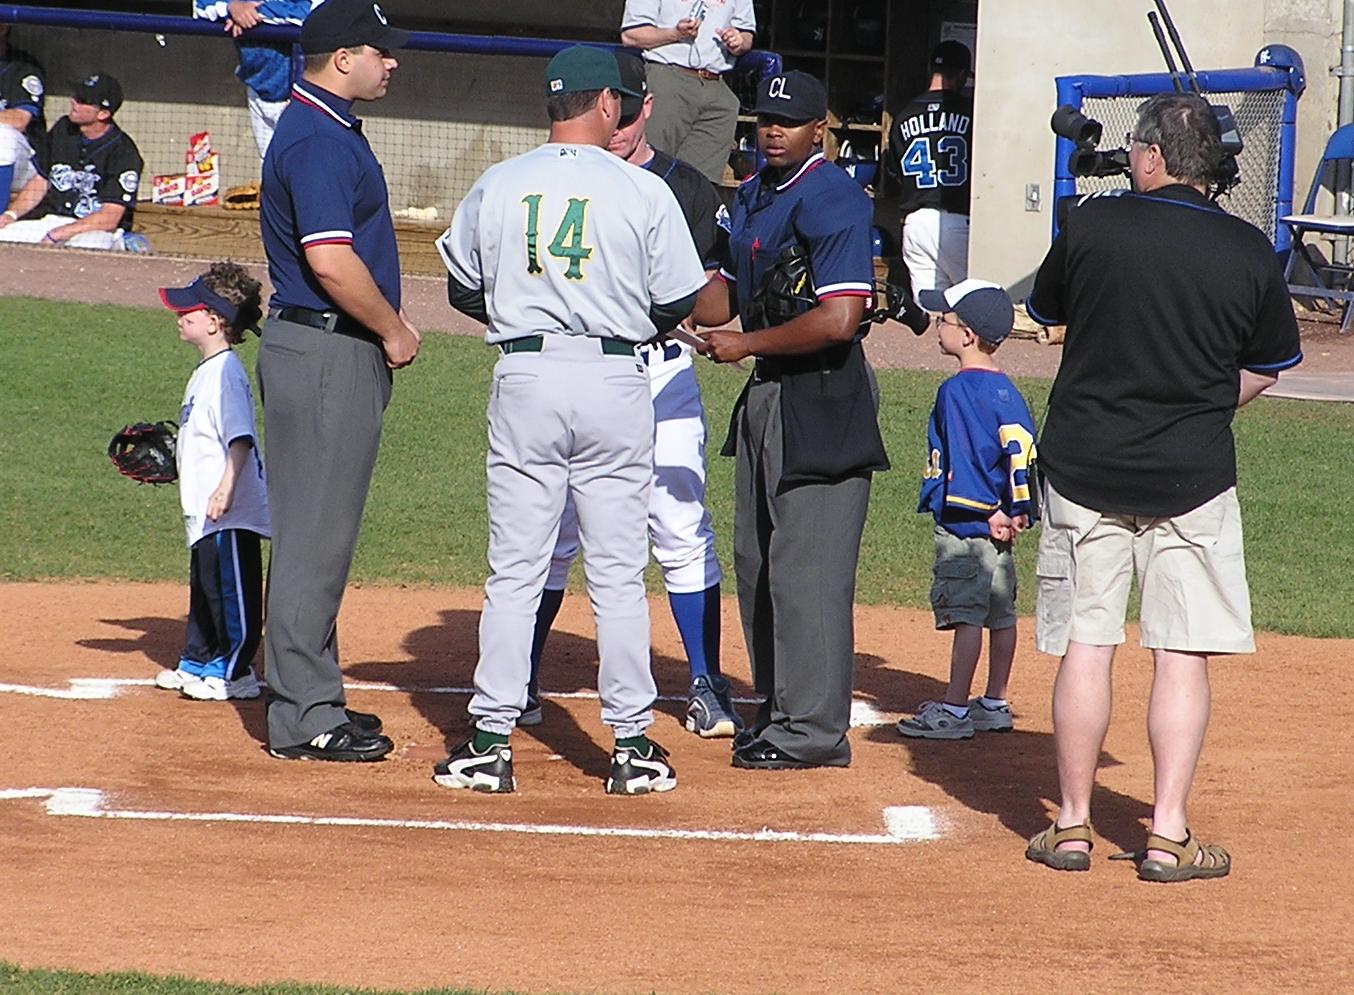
[1020, 54]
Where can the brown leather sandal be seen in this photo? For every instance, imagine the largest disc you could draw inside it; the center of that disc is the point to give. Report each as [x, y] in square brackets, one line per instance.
[1043, 848]
[1193, 860]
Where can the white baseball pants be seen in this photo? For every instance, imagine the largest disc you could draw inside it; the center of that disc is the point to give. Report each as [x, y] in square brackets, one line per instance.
[935, 249]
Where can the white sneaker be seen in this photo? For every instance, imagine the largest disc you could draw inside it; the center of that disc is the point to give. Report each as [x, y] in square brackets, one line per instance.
[174, 680]
[986, 719]
[220, 689]
[933, 721]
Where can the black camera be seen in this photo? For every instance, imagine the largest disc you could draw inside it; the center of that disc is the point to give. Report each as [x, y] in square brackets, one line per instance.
[1086, 159]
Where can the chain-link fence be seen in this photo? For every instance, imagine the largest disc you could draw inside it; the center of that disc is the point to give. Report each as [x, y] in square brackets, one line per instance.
[1258, 118]
[1263, 102]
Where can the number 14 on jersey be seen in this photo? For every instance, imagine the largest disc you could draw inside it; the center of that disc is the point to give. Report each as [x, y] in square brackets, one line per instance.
[568, 240]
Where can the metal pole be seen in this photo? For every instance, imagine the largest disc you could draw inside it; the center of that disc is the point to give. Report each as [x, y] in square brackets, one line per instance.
[1345, 115]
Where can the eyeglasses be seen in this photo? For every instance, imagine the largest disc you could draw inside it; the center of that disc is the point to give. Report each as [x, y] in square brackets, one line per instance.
[1131, 139]
[937, 320]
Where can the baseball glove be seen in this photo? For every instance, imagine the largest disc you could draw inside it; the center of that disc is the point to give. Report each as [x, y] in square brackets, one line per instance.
[241, 198]
[145, 452]
[786, 291]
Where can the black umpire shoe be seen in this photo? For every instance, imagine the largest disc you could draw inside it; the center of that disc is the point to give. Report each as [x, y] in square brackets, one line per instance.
[365, 721]
[344, 742]
[761, 755]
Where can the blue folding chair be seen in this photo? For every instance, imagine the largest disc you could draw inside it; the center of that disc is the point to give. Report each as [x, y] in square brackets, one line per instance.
[1331, 280]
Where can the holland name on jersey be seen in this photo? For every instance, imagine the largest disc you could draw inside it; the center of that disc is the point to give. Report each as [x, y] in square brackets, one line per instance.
[933, 120]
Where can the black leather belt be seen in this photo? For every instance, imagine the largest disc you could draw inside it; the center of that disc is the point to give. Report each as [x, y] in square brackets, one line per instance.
[326, 321]
[534, 343]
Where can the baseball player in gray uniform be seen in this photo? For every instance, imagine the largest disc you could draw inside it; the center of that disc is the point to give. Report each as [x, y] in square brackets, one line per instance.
[679, 524]
[572, 258]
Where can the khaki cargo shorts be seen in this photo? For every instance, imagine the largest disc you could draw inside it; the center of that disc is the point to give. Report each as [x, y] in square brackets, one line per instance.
[974, 582]
[1191, 572]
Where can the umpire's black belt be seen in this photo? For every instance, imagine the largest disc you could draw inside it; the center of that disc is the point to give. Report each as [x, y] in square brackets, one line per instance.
[534, 343]
[326, 321]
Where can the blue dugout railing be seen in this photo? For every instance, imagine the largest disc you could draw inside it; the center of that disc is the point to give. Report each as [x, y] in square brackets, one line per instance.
[1277, 68]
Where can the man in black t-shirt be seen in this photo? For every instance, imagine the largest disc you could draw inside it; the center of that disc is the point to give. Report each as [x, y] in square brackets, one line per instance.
[88, 173]
[931, 146]
[1177, 314]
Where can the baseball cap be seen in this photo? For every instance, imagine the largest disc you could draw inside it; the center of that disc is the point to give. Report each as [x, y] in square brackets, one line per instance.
[951, 56]
[985, 307]
[795, 96]
[198, 296]
[99, 90]
[633, 77]
[337, 24]
[580, 68]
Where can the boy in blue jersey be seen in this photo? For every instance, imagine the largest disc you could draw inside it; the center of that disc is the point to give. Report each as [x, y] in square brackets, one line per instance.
[976, 485]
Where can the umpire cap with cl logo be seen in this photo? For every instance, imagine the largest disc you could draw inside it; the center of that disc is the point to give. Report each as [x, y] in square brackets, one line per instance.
[337, 24]
[794, 96]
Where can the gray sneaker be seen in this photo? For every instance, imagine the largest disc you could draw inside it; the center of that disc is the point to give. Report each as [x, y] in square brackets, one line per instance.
[709, 712]
[935, 722]
[989, 719]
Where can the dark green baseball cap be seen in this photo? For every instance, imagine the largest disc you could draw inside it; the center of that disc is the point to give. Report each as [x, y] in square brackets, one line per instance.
[584, 67]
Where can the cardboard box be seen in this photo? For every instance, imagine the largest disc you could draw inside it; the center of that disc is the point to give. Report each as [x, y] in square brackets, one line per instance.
[167, 188]
[202, 190]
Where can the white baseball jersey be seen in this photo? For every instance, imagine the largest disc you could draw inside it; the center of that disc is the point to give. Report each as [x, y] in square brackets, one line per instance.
[218, 408]
[703, 51]
[549, 262]
[15, 150]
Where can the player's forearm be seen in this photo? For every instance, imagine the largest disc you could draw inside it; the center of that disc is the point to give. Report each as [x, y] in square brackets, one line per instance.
[648, 36]
[714, 304]
[348, 282]
[106, 218]
[16, 118]
[1253, 385]
[27, 198]
[237, 455]
[832, 322]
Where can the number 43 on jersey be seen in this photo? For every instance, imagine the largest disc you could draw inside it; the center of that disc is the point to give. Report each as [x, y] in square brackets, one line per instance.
[568, 240]
[948, 167]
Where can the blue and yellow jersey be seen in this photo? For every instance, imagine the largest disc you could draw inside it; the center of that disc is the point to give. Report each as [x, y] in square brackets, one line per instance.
[980, 441]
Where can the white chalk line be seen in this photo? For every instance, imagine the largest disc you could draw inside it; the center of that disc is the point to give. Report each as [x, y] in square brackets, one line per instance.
[863, 713]
[902, 823]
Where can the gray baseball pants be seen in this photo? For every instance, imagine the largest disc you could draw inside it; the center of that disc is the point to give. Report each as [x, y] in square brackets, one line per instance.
[568, 420]
[324, 397]
[795, 557]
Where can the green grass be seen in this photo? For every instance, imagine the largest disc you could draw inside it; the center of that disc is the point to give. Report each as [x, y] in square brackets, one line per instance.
[72, 374]
[17, 981]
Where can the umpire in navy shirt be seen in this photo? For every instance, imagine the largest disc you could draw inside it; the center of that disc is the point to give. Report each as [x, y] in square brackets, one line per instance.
[804, 431]
[335, 332]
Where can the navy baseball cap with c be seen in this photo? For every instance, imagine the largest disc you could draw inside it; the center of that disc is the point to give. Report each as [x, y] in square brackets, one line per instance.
[197, 296]
[99, 90]
[983, 306]
[794, 96]
[337, 24]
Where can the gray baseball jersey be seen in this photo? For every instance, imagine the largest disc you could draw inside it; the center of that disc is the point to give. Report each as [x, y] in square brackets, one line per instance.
[570, 240]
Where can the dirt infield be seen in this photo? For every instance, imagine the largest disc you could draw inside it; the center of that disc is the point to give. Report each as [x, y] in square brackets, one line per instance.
[551, 910]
